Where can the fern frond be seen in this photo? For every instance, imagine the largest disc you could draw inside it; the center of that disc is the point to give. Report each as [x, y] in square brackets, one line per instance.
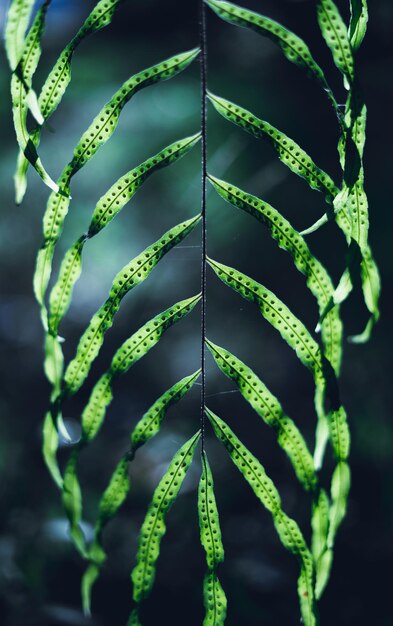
[287, 529]
[153, 527]
[335, 34]
[109, 205]
[129, 277]
[293, 47]
[58, 80]
[214, 596]
[318, 280]
[18, 18]
[267, 406]
[98, 133]
[289, 152]
[24, 98]
[129, 353]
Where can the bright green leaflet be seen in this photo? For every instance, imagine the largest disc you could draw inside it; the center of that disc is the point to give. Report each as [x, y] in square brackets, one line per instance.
[214, 596]
[21, 82]
[321, 553]
[299, 339]
[129, 353]
[58, 80]
[111, 500]
[277, 314]
[18, 18]
[293, 47]
[335, 34]
[149, 425]
[97, 135]
[289, 152]
[358, 23]
[72, 500]
[113, 497]
[129, 277]
[153, 527]
[287, 529]
[318, 280]
[133, 349]
[107, 208]
[267, 406]
[341, 483]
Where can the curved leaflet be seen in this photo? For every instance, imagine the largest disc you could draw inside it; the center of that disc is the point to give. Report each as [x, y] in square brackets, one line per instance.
[129, 277]
[58, 81]
[153, 527]
[287, 529]
[214, 596]
[97, 135]
[109, 205]
[289, 152]
[293, 47]
[335, 34]
[149, 425]
[129, 353]
[115, 494]
[318, 280]
[18, 17]
[358, 23]
[22, 96]
[111, 501]
[267, 406]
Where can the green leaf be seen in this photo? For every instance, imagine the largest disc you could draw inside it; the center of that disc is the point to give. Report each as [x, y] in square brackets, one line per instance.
[50, 445]
[267, 406]
[150, 423]
[358, 23]
[209, 522]
[107, 208]
[54, 362]
[335, 34]
[214, 596]
[291, 329]
[289, 152]
[321, 553]
[72, 500]
[341, 483]
[153, 527]
[129, 353]
[318, 280]
[111, 500]
[21, 82]
[61, 294]
[58, 81]
[129, 277]
[18, 18]
[293, 47]
[288, 531]
[214, 599]
[125, 188]
[97, 135]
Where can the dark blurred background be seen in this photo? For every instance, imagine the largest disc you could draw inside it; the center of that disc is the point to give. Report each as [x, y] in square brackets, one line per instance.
[39, 569]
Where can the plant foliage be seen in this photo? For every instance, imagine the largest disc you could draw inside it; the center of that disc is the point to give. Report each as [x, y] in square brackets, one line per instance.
[347, 205]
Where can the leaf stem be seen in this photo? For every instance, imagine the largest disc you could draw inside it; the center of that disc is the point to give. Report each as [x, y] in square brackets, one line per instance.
[203, 75]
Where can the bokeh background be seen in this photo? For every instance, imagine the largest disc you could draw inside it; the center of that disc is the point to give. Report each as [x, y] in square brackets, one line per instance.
[39, 570]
